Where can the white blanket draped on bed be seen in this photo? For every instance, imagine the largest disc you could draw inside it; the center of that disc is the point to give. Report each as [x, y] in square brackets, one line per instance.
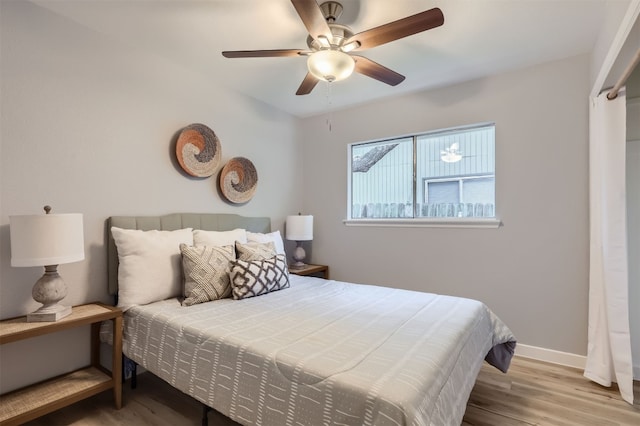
[322, 352]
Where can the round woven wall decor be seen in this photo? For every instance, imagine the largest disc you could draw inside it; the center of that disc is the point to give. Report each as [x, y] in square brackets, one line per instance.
[238, 180]
[198, 150]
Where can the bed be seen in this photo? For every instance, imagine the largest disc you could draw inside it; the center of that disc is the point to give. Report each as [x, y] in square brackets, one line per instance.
[319, 352]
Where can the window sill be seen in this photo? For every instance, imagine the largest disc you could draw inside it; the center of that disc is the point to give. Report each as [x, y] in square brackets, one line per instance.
[427, 222]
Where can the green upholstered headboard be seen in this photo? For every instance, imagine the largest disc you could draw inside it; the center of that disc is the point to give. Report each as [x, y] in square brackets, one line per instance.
[171, 222]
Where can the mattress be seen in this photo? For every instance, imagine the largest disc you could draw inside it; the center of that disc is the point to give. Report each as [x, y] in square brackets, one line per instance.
[322, 353]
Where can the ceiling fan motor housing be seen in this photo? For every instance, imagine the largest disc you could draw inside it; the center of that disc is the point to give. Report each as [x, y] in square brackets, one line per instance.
[340, 34]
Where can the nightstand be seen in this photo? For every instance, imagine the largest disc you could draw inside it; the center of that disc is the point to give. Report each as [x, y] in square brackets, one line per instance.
[321, 271]
[36, 400]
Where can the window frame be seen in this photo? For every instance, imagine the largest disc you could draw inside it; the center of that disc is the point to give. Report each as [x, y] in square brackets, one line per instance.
[421, 221]
[459, 178]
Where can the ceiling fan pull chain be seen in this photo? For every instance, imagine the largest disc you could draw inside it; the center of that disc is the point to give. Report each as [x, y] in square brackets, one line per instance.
[330, 112]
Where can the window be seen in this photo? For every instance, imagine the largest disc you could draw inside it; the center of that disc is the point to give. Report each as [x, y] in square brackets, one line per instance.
[441, 174]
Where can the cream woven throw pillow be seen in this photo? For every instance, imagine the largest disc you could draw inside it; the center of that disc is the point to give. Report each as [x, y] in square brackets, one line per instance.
[206, 273]
[255, 251]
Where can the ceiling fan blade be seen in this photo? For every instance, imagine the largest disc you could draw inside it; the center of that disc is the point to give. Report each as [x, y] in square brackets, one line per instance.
[374, 70]
[313, 18]
[307, 85]
[264, 53]
[398, 29]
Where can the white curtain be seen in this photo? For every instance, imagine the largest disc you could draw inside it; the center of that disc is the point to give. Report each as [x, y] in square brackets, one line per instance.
[609, 346]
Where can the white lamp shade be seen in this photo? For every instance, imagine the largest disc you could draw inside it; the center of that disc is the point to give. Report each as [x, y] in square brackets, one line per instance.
[46, 239]
[330, 65]
[299, 228]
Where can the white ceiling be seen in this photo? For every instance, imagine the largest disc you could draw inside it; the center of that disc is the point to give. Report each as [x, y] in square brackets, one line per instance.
[478, 38]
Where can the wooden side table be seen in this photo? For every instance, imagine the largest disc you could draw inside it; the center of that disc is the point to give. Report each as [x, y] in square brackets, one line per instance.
[36, 400]
[321, 271]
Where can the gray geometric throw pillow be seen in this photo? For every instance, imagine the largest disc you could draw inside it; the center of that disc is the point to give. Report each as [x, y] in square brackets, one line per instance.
[257, 277]
[206, 273]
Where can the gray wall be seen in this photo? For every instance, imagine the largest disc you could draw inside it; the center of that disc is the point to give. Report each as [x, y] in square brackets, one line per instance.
[533, 270]
[87, 125]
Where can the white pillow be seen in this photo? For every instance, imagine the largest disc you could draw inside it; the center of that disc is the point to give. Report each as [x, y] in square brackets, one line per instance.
[275, 237]
[219, 238]
[150, 264]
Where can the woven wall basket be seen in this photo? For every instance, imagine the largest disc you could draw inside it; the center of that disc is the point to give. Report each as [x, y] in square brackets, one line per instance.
[198, 150]
[238, 180]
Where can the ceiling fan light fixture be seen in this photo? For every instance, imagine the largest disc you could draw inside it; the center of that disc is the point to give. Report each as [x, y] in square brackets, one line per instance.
[350, 46]
[324, 41]
[330, 65]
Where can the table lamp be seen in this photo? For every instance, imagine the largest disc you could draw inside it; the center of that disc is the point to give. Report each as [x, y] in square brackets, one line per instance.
[299, 228]
[47, 240]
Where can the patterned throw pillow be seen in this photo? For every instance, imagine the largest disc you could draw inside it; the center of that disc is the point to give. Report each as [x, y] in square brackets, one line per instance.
[249, 279]
[257, 237]
[255, 251]
[206, 273]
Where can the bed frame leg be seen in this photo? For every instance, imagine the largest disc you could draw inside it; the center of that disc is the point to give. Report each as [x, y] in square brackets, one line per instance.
[205, 412]
[124, 369]
[134, 376]
[130, 368]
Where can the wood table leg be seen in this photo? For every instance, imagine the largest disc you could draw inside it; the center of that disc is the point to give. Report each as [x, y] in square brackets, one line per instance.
[95, 344]
[116, 370]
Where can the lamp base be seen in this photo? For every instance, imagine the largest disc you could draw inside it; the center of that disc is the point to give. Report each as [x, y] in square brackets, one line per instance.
[49, 290]
[298, 265]
[49, 314]
[299, 256]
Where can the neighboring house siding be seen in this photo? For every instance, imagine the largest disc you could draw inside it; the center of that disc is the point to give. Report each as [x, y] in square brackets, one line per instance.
[376, 185]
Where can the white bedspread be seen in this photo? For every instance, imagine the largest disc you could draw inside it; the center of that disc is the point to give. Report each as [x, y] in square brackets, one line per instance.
[321, 353]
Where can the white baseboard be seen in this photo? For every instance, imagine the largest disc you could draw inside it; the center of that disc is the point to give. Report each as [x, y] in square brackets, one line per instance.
[561, 358]
[552, 356]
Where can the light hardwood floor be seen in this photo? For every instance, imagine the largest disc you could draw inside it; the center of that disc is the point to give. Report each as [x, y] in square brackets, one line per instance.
[532, 393]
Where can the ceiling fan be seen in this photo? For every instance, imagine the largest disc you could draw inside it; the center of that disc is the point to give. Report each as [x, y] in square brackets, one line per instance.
[330, 44]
